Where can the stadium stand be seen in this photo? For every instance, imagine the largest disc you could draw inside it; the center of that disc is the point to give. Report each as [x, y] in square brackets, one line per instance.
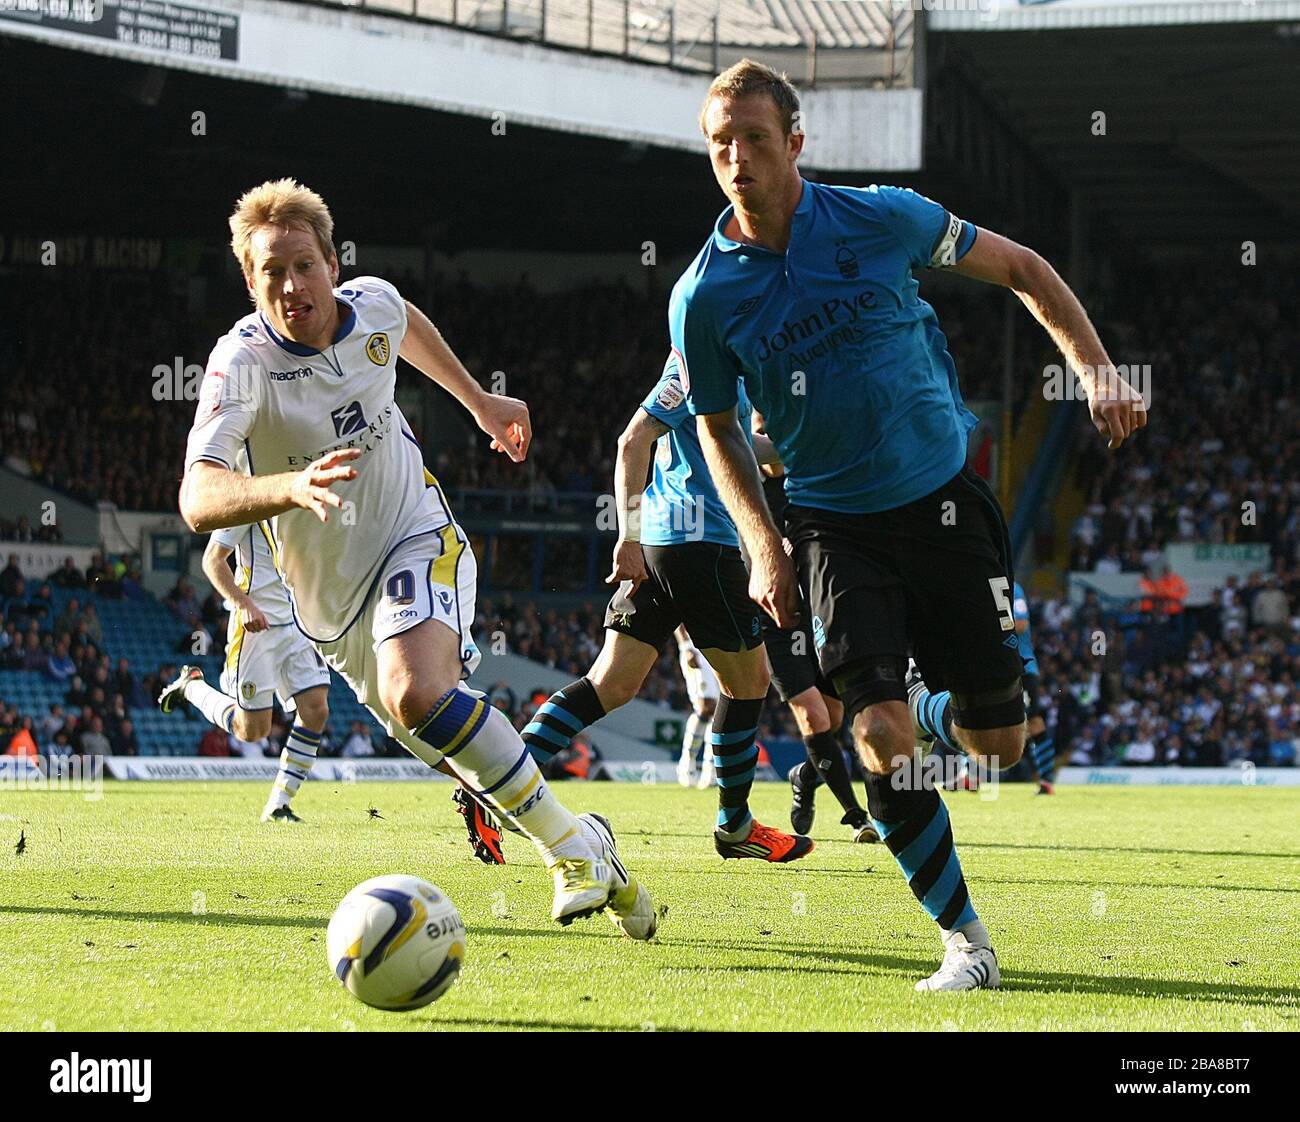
[1232, 697]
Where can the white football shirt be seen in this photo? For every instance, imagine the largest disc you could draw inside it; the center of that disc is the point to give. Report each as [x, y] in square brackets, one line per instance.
[283, 405]
[255, 570]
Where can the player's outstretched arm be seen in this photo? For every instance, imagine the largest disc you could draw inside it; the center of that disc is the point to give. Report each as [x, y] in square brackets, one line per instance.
[504, 419]
[214, 497]
[1117, 409]
[735, 474]
[631, 467]
[215, 556]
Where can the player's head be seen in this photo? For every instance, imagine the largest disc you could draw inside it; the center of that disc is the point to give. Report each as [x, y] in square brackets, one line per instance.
[752, 122]
[283, 236]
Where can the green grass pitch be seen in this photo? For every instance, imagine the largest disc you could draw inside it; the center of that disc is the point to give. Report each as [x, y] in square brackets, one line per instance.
[169, 906]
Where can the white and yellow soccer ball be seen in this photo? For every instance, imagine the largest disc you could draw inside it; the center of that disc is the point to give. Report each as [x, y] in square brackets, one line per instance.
[396, 942]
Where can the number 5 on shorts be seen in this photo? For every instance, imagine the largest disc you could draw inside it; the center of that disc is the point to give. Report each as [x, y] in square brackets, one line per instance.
[1001, 586]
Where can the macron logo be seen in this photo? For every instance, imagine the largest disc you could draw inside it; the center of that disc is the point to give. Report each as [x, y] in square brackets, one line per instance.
[113, 1077]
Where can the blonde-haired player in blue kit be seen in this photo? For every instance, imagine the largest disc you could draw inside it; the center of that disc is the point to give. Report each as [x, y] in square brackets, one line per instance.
[380, 576]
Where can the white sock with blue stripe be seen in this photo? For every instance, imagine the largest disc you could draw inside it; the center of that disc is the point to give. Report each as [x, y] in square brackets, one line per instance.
[485, 750]
[296, 760]
[217, 707]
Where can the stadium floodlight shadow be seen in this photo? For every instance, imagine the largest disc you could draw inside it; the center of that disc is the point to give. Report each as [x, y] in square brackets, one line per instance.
[1058, 848]
[202, 918]
[1121, 985]
[1098, 880]
[434, 1021]
[317, 922]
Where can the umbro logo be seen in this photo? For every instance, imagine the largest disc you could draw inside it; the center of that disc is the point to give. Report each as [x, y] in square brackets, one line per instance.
[1011, 642]
[746, 305]
[348, 420]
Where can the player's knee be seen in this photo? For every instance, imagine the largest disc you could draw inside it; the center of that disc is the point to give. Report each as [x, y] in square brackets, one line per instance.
[409, 697]
[883, 736]
[252, 726]
[706, 709]
[999, 748]
[991, 723]
[810, 713]
[834, 713]
[313, 711]
[614, 689]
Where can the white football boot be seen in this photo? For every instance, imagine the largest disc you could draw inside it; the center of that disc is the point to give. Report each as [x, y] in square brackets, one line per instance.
[966, 966]
[583, 886]
[630, 908]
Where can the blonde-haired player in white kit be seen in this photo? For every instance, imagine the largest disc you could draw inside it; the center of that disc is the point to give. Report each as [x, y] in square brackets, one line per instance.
[266, 655]
[380, 576]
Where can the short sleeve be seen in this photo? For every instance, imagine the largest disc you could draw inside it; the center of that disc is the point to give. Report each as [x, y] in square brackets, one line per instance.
[379, 293]
[667, 401]
[708, 371]
[228, 401]
[230, 536]
[932, 237]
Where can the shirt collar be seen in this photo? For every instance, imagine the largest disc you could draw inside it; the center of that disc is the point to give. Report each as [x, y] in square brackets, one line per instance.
[802, 213]
[346, 324]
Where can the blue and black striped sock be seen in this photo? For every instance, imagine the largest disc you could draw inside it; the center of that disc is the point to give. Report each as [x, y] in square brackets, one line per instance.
[1043, 749]
[735, 758]
[933, 714]
[560, 718]
[914, 825]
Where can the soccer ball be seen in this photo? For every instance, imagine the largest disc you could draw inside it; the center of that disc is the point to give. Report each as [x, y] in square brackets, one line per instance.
[396, 942]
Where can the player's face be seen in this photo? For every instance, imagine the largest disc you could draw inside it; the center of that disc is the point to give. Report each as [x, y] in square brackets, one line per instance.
[292, 281]
[753, 156]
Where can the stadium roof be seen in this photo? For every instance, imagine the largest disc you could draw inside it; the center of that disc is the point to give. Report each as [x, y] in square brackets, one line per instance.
[1200, 122]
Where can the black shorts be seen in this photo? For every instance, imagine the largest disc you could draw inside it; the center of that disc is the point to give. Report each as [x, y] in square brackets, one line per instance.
[699, 584]
[793, 660]
[932, 578]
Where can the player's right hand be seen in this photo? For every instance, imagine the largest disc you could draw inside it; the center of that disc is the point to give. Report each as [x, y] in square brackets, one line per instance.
[251, 617]
[629, 564]
[506, 421]
[311, 489]
[773, 587]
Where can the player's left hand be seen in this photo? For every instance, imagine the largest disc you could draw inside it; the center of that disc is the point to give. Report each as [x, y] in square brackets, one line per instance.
[1117, 408]
[629, 564]
[506, 421]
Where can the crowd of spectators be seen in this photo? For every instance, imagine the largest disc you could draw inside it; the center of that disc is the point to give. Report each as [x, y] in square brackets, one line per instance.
[1209, 686]
[582, 359]
[1221, 460]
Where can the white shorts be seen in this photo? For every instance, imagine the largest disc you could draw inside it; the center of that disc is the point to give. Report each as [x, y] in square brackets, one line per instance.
[431, 576]
[261, 665]
[701, 682]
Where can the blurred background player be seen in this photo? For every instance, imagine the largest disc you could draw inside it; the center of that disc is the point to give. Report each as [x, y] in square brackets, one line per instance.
[386, 591]
[677, 563]
[266, 655]
[703, 691]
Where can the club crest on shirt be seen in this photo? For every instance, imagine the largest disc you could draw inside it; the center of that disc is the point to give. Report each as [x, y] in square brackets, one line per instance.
[249, 690]
[377, 348]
